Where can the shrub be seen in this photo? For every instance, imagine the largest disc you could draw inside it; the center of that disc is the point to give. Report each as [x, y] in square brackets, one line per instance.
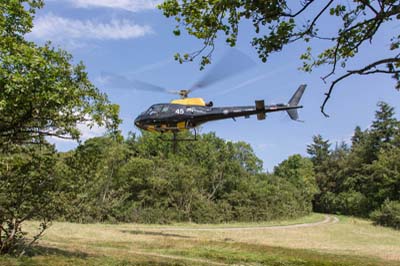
[29, 189]
[388, 214]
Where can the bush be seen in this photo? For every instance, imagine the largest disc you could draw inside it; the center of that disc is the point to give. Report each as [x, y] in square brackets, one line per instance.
[352, 203]
[29, 189]
[388, 214]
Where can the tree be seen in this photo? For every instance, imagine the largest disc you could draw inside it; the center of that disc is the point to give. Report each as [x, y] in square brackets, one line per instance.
[29, 189]
[279, 23]
[320, 155]
[358, 136]
[383, 180]
[91, 179]
[299, 172]
[319, 150]
[381, 135]
[41, 92]
[385, 127]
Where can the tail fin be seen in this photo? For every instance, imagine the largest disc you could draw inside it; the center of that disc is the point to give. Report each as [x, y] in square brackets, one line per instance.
[294, 101]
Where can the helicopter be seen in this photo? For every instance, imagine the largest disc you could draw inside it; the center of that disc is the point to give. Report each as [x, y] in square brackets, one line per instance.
[189, 113]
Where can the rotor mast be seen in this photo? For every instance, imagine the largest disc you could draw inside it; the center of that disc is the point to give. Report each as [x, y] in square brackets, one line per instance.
[184, 93]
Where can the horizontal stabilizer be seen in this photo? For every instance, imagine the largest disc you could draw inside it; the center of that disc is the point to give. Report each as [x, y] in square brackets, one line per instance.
[294, 115]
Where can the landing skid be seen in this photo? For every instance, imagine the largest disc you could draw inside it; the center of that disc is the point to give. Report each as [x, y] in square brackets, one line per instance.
[175, 139]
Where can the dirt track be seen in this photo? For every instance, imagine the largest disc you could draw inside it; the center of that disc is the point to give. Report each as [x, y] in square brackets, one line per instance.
[327, 220]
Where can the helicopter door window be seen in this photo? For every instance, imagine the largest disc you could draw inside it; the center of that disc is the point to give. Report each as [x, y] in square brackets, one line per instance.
[165, 109]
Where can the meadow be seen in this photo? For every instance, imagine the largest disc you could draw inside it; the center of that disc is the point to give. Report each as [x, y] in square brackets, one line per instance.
[312, 240]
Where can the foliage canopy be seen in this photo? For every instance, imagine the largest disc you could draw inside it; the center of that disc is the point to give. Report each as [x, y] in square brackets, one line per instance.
[279, 23]
[209, 181]
[41, 92]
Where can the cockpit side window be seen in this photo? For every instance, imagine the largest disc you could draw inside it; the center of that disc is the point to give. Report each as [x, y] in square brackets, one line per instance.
[155, 109]
[165, 109]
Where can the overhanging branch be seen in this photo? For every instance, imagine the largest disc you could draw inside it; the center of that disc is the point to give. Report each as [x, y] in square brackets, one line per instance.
[367, 70]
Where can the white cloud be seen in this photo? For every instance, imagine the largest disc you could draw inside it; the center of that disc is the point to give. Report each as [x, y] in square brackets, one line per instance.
[52, 27]
[129, 5]
[86, 133]
[95, 131]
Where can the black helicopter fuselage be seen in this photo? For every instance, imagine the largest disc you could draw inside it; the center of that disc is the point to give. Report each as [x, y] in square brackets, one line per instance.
[169, 117]
[172, 117]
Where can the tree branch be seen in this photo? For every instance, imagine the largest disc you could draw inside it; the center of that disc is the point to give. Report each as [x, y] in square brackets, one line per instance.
[362, 71]
[298, 12]
[366, 3]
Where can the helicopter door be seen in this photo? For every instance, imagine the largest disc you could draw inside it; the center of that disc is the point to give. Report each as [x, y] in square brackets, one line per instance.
[166, 110]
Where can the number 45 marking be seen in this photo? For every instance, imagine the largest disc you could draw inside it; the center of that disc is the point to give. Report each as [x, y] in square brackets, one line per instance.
[179, 111]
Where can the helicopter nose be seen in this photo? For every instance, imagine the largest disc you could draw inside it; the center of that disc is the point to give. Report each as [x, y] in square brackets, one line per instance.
[138, 122]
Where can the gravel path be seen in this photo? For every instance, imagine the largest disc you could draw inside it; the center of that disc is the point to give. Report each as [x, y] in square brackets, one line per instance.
[327, 220]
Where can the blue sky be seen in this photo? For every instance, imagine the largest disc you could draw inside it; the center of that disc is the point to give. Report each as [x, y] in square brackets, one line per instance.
[132, 38]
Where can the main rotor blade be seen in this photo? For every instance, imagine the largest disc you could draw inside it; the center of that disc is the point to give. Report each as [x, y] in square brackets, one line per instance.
[232, 63]
[121, 82]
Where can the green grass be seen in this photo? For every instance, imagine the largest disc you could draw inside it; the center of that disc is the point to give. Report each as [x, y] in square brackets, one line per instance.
[350, 242]
[54, 260]
[236, 253]
[226, 253]
[41, 256]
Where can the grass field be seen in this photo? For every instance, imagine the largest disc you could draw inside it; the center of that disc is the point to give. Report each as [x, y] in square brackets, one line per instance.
[348, 241]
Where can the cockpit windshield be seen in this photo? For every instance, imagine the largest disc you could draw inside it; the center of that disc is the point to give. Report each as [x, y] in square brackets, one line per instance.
[156, 109]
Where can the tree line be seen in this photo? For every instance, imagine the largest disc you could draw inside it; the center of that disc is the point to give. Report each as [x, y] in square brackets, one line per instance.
[361, 178]
[141, 180]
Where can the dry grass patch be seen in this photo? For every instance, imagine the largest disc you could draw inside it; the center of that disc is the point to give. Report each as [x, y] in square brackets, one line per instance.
[348, 242]
[348, 236]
